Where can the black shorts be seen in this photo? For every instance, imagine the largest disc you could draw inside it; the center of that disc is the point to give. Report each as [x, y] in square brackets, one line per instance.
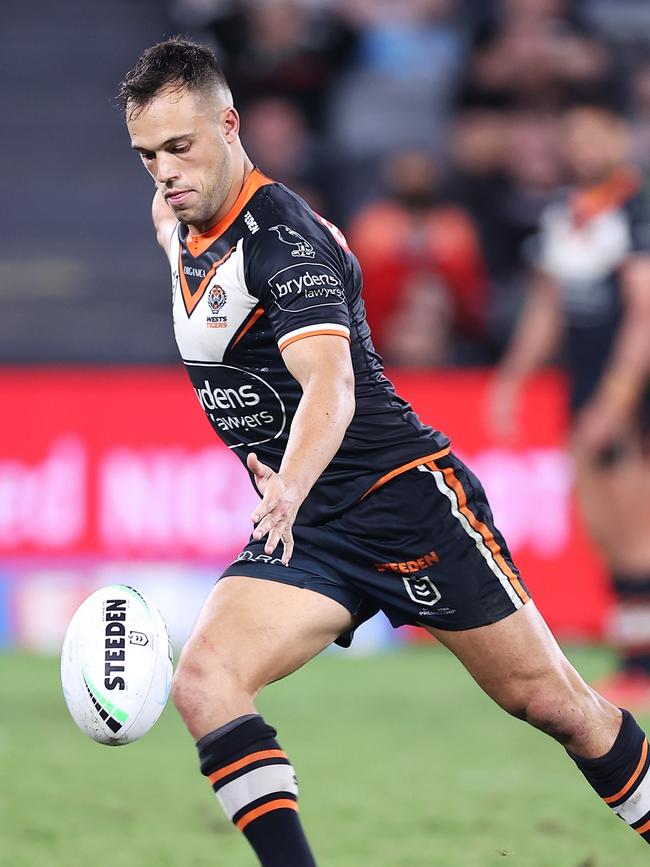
[422, 548]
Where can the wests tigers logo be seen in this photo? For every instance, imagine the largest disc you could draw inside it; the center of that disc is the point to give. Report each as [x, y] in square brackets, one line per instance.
[216, 298]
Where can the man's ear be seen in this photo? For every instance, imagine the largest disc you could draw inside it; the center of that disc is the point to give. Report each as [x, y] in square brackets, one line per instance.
[230, 122]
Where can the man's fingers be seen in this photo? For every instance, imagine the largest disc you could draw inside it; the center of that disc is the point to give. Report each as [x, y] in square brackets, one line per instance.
[277, 530]
[287, 540]
[257, 467]
[263, 510]
[273, 541]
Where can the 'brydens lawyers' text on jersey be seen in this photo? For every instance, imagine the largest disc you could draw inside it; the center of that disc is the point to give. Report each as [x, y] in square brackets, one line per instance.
[269, 273]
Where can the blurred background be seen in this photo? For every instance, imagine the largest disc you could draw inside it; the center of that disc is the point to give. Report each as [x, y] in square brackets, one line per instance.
[430, 131]
[437, 135]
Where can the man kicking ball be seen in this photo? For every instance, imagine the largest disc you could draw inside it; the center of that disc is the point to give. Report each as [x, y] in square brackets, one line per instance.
[270, 325]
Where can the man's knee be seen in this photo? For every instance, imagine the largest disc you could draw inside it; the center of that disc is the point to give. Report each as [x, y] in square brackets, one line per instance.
[557, 709]
[208, 677]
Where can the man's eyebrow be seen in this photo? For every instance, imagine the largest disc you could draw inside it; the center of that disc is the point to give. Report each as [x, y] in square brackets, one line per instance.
[170, 141]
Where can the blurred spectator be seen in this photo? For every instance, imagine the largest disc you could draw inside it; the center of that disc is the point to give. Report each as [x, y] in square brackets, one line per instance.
[506, 171]
[536, 53]
[641, 117]
[423, 269]
[281, 48]
[590, 294]
[403, 83]
[278, 141]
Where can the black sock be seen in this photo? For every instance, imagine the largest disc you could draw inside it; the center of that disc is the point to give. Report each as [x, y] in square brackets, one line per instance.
[621, 777]
[630, 623]
[256, 786]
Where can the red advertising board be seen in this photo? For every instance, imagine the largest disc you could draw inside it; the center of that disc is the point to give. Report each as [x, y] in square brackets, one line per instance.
[121, 465]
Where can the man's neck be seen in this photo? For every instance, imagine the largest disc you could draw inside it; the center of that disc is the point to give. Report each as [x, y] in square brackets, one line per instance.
[236, 187]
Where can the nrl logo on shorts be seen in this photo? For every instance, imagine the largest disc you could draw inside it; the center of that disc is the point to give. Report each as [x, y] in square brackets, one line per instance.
[303, 249]
[422, 590]
[216, 299]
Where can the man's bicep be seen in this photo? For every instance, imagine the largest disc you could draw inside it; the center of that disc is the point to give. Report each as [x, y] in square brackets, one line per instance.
[320, 355]
[300, 279]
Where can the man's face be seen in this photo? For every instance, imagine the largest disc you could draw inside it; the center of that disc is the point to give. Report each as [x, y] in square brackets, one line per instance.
[593, 143]
[184, 139]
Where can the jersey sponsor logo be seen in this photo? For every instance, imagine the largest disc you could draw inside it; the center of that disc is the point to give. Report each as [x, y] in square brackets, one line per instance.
[304, 249]
[191, 271]
[422, 590]
[251, 223]
[408, 566]
[314, 285]
[242, 407]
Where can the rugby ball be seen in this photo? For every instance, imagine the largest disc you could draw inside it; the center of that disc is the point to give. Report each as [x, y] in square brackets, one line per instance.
[116, 665]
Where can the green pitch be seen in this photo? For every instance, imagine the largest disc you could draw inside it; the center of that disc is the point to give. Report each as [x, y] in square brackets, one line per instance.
[402, 763]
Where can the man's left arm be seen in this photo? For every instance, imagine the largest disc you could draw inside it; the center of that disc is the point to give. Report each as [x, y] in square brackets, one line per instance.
[626, 375]
[323, 367]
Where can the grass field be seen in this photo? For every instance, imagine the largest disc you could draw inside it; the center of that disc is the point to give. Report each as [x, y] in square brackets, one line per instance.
[402, 763]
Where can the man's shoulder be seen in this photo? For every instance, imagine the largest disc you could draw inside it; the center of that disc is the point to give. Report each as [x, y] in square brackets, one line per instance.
[277, 210]
[282, 230]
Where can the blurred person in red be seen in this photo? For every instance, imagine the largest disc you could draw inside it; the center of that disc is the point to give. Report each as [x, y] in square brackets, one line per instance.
[424, 277]
[591, 294]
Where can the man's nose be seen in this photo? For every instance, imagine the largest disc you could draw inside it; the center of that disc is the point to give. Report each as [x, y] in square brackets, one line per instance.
[165, 169]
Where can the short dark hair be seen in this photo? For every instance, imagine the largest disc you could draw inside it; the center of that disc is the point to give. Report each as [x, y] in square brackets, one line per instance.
[178, 63]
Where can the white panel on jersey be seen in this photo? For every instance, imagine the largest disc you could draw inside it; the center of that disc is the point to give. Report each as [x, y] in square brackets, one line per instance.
[224, 306]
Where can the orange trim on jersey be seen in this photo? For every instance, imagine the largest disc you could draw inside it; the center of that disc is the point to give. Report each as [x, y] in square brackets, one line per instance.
[242, 763]
[626, 788]
[192, 300]
[481, 528]
[611, 193]
[284, 343]
[643, 828]
[259, 311]
[404, 468]
[280, 804]
[198, 244]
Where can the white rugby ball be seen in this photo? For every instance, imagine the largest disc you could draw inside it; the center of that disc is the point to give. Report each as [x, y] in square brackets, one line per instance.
[116, 665]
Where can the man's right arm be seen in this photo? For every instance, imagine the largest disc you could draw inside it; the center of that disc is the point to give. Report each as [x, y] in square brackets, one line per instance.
[534, 341]
[164, 221]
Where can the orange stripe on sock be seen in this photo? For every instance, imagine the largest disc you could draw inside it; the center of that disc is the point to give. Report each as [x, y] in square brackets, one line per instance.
[626, 788]
[643, 828]
[481, 528]
[247, 760]
[280, 804]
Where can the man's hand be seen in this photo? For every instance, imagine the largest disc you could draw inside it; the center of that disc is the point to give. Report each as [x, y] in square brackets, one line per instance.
[275, 514]
[599, 425]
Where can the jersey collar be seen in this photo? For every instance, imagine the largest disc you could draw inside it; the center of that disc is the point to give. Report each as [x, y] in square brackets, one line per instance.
[198, 244]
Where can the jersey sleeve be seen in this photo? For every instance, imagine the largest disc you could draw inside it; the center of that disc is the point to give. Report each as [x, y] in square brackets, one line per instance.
[299, 276]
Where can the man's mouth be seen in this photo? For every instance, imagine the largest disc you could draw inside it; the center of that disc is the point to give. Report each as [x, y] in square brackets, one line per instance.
[176, 197]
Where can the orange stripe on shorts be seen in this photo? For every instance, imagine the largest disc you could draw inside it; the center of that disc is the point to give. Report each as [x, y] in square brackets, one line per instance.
[484, 531]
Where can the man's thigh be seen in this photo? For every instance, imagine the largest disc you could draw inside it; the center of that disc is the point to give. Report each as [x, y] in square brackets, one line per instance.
[261, 631]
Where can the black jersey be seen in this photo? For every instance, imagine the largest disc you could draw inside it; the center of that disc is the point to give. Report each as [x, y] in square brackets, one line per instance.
[269, 273]
[584, 256]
